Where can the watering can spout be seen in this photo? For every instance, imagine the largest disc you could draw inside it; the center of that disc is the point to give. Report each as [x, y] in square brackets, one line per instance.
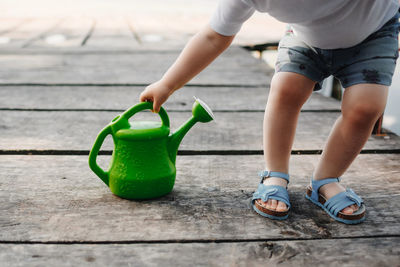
[201, 113]
[176, 138]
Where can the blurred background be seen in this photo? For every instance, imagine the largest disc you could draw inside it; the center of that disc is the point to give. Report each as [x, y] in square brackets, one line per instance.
[152, 23]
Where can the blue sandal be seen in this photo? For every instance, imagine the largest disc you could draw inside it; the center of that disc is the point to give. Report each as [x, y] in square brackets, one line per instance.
[265, 192]
[335, 204]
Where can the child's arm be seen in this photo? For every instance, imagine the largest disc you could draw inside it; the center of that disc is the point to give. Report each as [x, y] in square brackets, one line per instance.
[199, 52]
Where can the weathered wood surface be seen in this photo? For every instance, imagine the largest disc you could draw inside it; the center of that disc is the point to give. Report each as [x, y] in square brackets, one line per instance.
[57, 199]
[175, 21]
[235, 66]
[8, 25]
[172, 30]
[30, 31]
[206, 220]
[112, 32]
[69, 34]
[230, 131]
[344, 252]
[123, 97]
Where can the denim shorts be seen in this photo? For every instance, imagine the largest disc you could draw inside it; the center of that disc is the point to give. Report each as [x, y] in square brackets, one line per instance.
[371, 61]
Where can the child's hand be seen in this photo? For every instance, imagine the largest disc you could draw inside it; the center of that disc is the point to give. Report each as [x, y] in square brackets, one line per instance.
[157, 93]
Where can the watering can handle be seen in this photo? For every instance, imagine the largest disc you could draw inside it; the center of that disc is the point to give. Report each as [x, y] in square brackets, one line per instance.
[143, 106]
[95, 151]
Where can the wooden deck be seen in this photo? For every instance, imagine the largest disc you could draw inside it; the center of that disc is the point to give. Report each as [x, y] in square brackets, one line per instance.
[55, 98]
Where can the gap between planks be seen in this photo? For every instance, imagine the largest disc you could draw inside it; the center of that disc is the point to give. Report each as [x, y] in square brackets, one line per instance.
[96, 51]
[236, 85]
[169, 110]
[133, 31]
[79, 51]
[43, 33]
[14, 27]
[183, 152]
[89, 33]
[190, 241]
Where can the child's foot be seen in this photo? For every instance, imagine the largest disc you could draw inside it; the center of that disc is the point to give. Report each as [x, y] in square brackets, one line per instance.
[342, 205]
[271, 198]
[329, 190]
[274, 204]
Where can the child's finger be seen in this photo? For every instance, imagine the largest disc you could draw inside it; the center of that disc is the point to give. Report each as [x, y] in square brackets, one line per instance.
[156, 106]
[143, 98]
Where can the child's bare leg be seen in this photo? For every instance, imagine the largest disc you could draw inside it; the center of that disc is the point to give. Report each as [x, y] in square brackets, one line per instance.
[288, 93]
[362, 105]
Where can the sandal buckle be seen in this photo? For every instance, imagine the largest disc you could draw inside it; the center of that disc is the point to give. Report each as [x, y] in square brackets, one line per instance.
[265, 174]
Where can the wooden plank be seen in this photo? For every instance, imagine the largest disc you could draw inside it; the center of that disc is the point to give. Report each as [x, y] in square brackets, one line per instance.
[58, 198]
[122, 97]
[235, 66]
[70, 33]
[28, 32]
[7, 25]
[230, 131]
[169, 24]
[351, 252]
[170, 30]
[111, 33]
[157, 28]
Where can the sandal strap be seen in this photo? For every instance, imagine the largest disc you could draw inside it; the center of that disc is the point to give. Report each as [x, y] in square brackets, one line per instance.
[342, 200]
[265, 192]
[267, 174]
[316, 184]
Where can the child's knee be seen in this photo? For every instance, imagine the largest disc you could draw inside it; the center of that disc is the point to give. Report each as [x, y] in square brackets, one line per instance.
[363, 113]
[290, 88]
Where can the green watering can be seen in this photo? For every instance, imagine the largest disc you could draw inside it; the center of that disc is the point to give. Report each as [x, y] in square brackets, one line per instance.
[143, 159]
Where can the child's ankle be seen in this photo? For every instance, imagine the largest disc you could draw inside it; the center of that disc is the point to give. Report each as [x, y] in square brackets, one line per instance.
[275, 181]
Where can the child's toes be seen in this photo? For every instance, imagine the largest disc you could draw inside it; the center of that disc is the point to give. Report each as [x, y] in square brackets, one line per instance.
[347, 210]
[354, 207]
[274, 204]
[264, 203]
[281, 206]
[267, 203]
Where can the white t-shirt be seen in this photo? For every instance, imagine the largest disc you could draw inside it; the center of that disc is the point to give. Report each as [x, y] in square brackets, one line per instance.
[326, 24]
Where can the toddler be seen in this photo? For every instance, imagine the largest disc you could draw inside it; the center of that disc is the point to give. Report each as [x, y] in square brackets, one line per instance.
[355, 41]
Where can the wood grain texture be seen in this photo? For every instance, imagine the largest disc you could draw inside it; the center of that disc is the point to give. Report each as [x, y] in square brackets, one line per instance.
[171, 29]
[111, 32]
[55, 211]
[235, 66]
[30, 31]
[69, 34]
[57, 198]
[8, 25]
[230, 130]
[122, 97]
[345, 252]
